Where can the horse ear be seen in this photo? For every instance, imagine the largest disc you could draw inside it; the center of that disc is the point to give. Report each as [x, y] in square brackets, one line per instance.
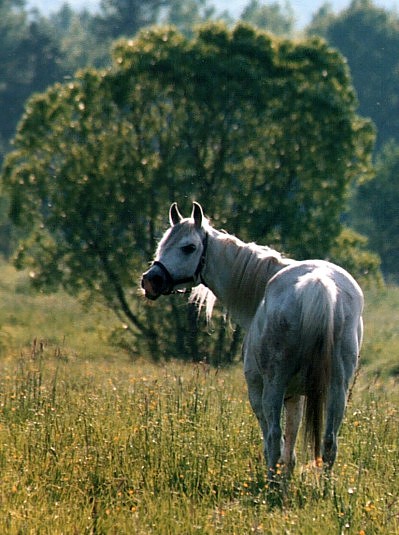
[197, 214]
[174, 214]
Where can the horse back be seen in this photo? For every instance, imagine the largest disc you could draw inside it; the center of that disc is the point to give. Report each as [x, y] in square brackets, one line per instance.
[305, 304]
[301, 290]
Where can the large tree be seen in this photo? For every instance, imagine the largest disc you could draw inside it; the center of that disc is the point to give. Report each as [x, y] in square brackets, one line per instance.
[263, 132]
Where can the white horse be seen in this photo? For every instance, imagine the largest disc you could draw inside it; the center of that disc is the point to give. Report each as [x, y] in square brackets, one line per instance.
[303, 323]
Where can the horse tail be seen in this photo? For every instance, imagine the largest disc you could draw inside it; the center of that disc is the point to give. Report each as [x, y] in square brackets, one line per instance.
[318, 294]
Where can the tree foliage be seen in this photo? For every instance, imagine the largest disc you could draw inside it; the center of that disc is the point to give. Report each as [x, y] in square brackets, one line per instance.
[186, 14]
[272, 17]
[79, 44]
[375, 210]
[263, 132]
[125, 17]
[368, 36]
[29, 60]
[352, 250]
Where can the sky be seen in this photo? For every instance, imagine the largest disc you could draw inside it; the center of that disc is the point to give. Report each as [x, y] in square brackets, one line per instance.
[303, 9]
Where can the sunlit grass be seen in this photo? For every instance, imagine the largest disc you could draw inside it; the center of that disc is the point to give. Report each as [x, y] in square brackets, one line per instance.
[381, 345]
[93, 443]
[122, 449]
[54, 320]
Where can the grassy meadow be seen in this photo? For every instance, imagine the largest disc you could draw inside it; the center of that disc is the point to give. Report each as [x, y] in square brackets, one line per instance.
[91, 442]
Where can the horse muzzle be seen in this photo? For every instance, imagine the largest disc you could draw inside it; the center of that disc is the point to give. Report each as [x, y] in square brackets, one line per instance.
[156, 282]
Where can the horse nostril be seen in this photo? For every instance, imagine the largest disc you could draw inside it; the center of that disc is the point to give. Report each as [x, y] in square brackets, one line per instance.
[153, 280]
[157, 281]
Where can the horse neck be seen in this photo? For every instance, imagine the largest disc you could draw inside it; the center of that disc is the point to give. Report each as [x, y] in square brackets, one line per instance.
[237, 273]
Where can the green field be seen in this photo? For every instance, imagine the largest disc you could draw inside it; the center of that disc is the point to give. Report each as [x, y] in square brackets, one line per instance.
[91, 442]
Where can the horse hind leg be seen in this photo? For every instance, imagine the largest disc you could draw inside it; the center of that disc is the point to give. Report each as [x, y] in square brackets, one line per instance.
[266, 400]
[335, 413]
[294, 412]
[345, 365]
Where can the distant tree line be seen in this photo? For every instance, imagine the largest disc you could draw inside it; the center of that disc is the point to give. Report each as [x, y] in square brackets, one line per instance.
[368, 37]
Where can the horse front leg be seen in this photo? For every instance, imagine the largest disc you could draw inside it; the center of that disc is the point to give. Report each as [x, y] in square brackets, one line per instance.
[267, 408]
[255, 392]
[335, 412]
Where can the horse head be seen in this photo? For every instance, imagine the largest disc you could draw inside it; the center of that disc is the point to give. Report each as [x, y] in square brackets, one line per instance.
[180, 255]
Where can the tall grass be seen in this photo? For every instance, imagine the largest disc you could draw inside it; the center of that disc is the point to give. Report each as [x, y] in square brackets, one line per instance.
[92, 444]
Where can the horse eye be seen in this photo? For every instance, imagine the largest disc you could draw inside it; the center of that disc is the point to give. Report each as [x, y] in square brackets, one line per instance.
[188, 249]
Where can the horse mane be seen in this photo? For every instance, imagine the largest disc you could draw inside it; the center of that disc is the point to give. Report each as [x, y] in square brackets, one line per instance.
[253, 266]
[203, 297]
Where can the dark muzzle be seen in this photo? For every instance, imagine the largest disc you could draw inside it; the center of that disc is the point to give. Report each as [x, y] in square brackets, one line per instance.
[157, 281]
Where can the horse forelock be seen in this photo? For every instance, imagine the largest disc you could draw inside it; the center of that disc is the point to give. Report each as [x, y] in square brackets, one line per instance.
[185, 229]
